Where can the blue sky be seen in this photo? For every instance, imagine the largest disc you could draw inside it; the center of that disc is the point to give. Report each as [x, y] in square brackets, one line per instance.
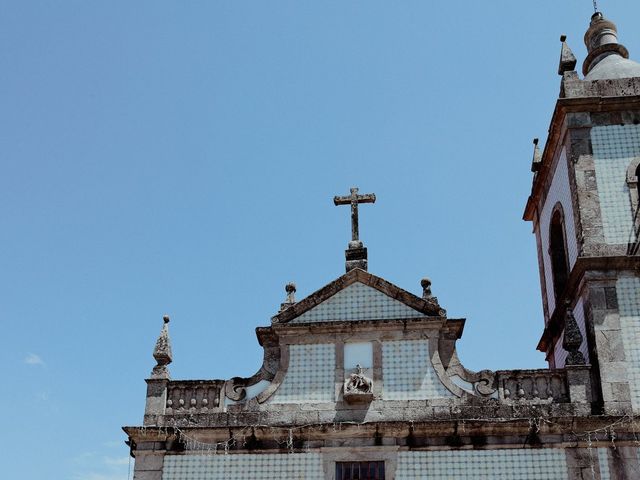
[181, 157]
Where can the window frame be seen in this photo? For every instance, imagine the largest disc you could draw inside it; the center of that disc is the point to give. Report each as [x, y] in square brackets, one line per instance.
[342, 466]
[558, 212]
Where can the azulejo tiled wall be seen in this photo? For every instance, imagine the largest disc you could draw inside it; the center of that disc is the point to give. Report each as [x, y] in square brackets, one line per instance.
[628, 291]
[243, 466]
[603, 460]
[407, 372]
[310, 377]
[357, 302]
[559, 191]
[614, 148]
[505, 464]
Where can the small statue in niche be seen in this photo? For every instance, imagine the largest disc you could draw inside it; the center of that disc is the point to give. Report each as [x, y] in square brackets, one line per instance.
[358, 383]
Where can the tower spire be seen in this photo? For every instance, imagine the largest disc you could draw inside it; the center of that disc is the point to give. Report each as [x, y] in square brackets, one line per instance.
[601, 40]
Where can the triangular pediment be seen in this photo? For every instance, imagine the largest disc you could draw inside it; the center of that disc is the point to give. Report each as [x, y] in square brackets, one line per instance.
[356, 296]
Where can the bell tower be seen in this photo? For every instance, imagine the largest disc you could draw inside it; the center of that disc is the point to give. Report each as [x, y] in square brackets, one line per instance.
[584, 210]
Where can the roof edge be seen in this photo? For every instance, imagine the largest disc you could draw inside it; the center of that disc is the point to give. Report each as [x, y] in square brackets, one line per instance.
[353, 276]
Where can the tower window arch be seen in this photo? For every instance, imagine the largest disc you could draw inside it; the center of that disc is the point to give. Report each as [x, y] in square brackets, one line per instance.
[633, 173]
[558, 251]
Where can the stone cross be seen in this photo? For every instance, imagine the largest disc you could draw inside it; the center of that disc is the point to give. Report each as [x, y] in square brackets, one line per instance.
[354, 199]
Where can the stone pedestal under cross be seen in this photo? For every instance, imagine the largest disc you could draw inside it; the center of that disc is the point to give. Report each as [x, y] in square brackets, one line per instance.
[356, 254]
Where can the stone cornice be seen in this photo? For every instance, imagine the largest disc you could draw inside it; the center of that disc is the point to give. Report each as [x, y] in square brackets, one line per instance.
[562, 108]
[450, 327]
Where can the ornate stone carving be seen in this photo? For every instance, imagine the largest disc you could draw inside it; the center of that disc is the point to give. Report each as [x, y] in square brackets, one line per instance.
[236, 388]
[428, 297]
[485, 383]
[290, 288]
[193, 396]
[572, 340]
[532, 386]
[162, 352]
[358, 387]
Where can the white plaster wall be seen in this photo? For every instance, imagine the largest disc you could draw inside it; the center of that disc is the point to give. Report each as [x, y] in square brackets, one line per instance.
[560, 191]
[614, 148]
[360, 353]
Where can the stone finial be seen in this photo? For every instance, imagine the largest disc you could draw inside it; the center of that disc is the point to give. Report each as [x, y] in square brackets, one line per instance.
[426, 288]
[162, 352]
[537, 156]
[568, 60]
[290, 288]
[572, 340]
[427, 296]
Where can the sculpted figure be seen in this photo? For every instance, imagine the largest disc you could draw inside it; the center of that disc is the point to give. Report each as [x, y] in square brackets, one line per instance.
[358, 382]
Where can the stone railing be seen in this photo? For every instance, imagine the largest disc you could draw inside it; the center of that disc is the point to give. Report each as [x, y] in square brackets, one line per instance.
[533, 386]
[194, 396]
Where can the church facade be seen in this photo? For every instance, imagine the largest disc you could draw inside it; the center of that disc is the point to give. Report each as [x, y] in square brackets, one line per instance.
[361, 379]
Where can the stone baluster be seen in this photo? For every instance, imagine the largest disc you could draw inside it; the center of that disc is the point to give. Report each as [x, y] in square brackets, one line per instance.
[519, 388]
[549, 386]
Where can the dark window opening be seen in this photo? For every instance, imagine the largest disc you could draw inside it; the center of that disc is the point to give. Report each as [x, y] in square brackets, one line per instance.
[359, 470]
[638, 182]
[558, 252]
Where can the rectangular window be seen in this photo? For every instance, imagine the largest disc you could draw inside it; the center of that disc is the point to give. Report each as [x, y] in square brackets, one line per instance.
[359, 470]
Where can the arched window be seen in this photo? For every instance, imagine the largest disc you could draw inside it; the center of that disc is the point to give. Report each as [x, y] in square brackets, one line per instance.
[558, 252]
[633, 172]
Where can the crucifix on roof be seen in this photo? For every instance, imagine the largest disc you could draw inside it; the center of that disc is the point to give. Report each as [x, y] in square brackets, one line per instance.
[356, 254]
[354, 199]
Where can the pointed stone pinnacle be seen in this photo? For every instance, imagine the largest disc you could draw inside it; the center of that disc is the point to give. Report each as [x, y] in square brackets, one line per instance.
[537, 156]
[568, 60]
[162, 352]
[572, 340]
